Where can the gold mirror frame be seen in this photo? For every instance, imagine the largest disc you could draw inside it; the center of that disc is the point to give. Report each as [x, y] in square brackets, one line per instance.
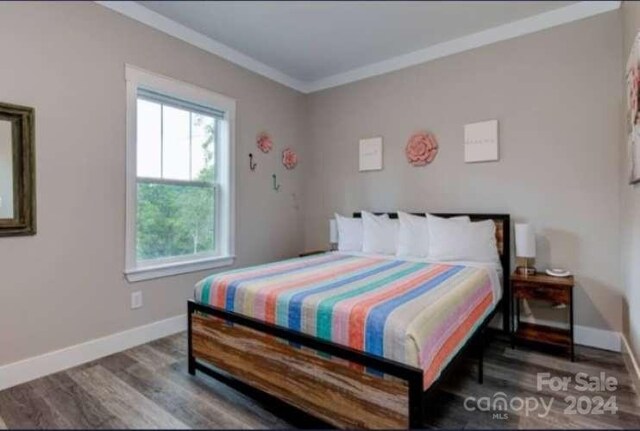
[22, 121]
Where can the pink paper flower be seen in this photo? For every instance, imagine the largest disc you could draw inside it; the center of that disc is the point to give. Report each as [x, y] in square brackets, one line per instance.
[421, 149]
[289, 158]
[264, 142]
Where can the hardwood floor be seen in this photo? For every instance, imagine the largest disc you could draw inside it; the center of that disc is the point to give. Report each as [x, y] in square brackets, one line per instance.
[149, 387]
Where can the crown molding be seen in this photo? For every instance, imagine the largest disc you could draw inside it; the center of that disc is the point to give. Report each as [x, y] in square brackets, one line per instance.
[507, 31]
[545, 20]
[153, 19]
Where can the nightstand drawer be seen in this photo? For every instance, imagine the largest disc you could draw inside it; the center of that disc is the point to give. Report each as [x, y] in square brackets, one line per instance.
[542, 292]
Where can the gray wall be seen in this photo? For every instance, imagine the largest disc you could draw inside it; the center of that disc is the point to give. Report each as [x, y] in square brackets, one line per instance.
[557, 97]
[630, 204]
[65, 285]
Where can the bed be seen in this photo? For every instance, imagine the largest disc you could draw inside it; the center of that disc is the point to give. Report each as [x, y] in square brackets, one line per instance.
[355, 340]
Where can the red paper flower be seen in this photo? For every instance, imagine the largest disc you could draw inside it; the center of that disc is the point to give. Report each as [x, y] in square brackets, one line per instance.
[264, 142]
[289, 158]
[421, 149]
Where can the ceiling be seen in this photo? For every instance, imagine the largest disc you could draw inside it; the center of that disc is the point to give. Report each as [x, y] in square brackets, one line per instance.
[316, 45]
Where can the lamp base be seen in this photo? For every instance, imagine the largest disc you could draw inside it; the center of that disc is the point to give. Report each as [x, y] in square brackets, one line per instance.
[526, 270]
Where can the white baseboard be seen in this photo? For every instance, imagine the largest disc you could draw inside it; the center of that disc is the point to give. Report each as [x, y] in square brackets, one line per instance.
[586, 335]
[632, 357]
[59, 360]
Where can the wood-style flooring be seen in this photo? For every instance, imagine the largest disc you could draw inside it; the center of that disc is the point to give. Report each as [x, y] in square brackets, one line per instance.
[149, 387]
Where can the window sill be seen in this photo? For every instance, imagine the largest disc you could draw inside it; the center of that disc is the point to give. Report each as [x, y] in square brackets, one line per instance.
[167, 270]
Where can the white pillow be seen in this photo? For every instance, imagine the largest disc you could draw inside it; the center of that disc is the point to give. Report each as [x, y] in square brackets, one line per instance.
[413, 235]
[349, 233]
[454, 241]
[380, 234]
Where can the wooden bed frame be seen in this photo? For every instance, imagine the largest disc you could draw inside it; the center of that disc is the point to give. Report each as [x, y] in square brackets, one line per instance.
[342, 386]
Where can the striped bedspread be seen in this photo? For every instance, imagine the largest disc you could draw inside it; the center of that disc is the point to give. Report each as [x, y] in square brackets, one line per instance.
[416, 313]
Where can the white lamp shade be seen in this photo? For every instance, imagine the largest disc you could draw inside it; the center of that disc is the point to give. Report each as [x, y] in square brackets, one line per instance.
[525, 241]
[333, 231]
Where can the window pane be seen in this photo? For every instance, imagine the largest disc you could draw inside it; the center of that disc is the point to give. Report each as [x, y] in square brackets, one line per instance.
[148, 144]
[203, 147]
[174, 220]
[175, 143]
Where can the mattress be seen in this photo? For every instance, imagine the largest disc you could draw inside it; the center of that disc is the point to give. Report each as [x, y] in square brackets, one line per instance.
[416, 312]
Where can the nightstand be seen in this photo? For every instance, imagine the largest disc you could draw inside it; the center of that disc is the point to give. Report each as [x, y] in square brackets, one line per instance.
[311, 253]
[556, 290]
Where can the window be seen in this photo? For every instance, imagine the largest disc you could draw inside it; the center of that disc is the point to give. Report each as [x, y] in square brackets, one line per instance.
[179, 177]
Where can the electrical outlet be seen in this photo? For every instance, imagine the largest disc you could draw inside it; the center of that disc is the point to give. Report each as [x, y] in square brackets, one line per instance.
[136, 300]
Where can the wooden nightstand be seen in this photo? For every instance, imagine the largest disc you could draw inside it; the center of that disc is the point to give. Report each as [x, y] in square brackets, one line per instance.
[311, 253]
[558, 290]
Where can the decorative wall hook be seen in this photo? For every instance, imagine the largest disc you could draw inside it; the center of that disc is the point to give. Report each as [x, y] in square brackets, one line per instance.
[252, 165]
[276, 186]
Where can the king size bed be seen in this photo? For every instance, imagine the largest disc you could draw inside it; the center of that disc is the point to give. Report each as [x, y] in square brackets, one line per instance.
[357, 340]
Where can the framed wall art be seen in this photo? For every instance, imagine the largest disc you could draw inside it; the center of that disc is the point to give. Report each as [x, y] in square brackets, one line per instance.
[631, 113]
[634, 155]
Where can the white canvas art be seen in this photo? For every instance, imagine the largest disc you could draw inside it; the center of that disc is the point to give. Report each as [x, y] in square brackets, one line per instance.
[371, 154]
[481, 142]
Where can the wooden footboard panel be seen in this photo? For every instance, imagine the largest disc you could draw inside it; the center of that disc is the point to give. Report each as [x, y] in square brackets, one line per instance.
[333, 389]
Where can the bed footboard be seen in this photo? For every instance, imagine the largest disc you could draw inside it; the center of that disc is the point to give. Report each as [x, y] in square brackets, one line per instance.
[344, 387]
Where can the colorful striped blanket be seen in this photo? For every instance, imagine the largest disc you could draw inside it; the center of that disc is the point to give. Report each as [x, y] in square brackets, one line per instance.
[416, 313]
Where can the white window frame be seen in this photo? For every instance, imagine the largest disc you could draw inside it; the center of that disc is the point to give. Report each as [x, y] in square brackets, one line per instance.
[225, 183]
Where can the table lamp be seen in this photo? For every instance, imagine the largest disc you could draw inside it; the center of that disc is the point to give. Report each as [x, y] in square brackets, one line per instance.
[525, 247]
